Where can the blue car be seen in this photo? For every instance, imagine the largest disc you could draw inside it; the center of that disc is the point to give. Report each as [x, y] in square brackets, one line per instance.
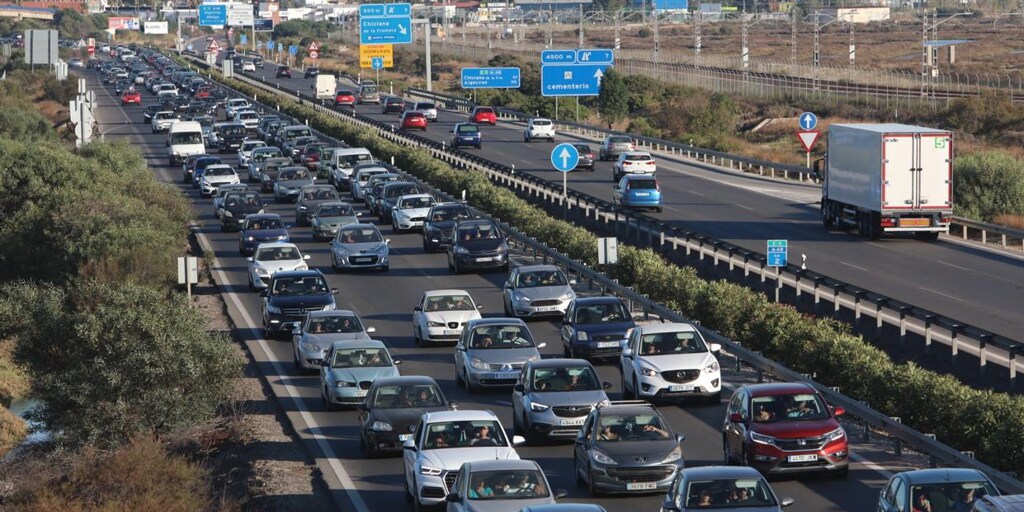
[260, 229]
[638, 191]
[466, 134]
[595, 327]
[201, 165]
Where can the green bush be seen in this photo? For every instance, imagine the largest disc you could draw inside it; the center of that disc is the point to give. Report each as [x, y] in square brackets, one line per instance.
[988, 184]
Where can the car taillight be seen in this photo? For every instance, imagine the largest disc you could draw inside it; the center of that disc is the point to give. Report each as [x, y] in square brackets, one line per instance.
[946, 220]
[888, 222]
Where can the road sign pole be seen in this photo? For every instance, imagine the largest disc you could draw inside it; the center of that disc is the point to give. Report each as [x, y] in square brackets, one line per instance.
[808, 159]
[426, 47]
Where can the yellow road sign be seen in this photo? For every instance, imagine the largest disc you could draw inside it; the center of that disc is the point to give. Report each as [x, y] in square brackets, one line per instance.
[368, 51]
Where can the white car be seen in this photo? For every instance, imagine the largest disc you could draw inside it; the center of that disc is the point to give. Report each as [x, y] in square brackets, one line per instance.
[234, 105]
[671, 360]
[162, 121]
[443, 442]
[633, 162]
[249, 118]
[539, 128]
[410, 211]
[167, 88]
[245, 152]
[273, 257]
[248, 66]
[215, 176]
[362, 177]
[440, 315]
[428, 109]
[166, 95]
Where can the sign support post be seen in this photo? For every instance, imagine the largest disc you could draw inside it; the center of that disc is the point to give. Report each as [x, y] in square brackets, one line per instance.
[564, 158]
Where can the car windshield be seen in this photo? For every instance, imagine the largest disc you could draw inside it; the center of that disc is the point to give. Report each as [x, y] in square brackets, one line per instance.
[416, 202]
[962, 495]
[632, 427]
[335, 210]
[638, 158]
[478, 232]
[359, 236]
[491, 337]
[602, 314]
[795, 407]
[485, 110]
[360, 358]
[642, 184]
[369, 90]
[468, 128]
[728, 493]
[400, 190]
[263, 155]
[186, 138]
[219, 171]
[334, 324]
[446, 214]
[463, 434]
[583, 149]
[246, 199]
[425, 106]
[344, 93]
[305, 285]
[264, 224]
[320, 194]
[294, 174]
[364, 177]
[663, 343]
[521, 484]
[165, 115]
[278, 254]
[576, 378]
[408, 395]
[449, 303]
[541, 122]
[248, 115]
[249, 145]
[356, 159]
[541, 278]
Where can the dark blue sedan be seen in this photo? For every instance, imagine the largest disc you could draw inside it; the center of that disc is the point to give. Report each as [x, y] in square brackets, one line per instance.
[260, 229]
[466, 134]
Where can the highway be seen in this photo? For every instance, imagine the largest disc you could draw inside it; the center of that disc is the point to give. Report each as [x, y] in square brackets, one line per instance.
[974, 285]
[384, 301]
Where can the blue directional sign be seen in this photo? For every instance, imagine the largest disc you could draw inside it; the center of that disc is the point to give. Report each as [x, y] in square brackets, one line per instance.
[385, 24]
[244, 39]
[808, 121]
[213, 14]
[270, 46]
[558, 57]
[280, 47]
[565, 157]
[377, 62]
[571, 79]
[778, 253]
[490, 78]
[293, 50]
[595, 56]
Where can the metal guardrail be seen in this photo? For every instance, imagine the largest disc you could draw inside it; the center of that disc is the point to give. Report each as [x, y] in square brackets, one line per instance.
[939, 453]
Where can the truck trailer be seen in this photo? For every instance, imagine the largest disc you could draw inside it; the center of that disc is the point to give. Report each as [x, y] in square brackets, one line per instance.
[887, 179]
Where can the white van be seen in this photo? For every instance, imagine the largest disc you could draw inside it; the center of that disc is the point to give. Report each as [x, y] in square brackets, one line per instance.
[342, 162]
[184, 138]
[324, 86]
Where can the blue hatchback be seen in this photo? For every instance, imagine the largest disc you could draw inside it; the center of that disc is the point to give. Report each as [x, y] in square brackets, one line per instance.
[638, 191]
[261, 229]
[466, 134]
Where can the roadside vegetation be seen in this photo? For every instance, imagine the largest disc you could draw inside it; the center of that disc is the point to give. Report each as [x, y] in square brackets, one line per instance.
[978, 420]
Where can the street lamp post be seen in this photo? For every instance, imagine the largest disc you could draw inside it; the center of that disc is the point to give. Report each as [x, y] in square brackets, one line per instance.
[930, 52]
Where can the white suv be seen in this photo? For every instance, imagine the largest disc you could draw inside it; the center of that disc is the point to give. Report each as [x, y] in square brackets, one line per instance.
[539, 128]
[670, 360]
[443, 441]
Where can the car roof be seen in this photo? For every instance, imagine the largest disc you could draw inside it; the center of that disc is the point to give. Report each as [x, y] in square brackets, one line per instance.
[351, 151]
[477, 322]
[603, 299]
[463, 415]
[411, 196]
[263, 216]
[358, 344]
[560, 362]
[779, 388]
[636, 153]
[360, 225]
[667, 327]
[565, 507]
[276, 245]
[626, 407]
[444, 292]
[715, 472]
[539, 268]
[643, 176]
[405, 379]
[297, 273]
[943, 475]
[333, 312]
[502, 465]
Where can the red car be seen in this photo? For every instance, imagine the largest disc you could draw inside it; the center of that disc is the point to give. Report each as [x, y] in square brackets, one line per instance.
[203, 92]
[483, 115]
[785, 427]
[345, 98]
[131, 96]
[412, 120]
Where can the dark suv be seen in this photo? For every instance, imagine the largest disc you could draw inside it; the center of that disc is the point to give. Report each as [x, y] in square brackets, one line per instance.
[437, 228]
[477, 244]
[290, 295]
[230, 137]
[595, 327]
[389, 196]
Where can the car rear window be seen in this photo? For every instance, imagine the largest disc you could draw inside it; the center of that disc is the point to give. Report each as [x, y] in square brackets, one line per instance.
[643, 184]
[424, 106]
[464, 128]
[639, 158]
[485, 110]
[541, 122]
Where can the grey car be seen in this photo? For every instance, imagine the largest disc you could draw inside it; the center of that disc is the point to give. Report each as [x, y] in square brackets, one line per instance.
[491, 352]
[565, 507]
[627, 447]
[328, 217]
[500, 486]
[554, 396]
[313, 337]
[942, 488]
[359, 246]
[615, 145]
[350, 368]
[537, 290]
[258, 158]
[218, 199]
[733, 488]
[269, 170]
[290, 181]
[309, 198]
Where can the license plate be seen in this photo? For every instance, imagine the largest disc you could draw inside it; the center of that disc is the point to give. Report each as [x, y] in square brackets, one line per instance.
[572, 422]
[678, 387]
[607, 344]
[450, 332]
[360, 392]
[361, 260]
[802, 458]
[915, 222]
[485, 259]
[642, 194]
[641, 486]
[404, 437]
[505, 375]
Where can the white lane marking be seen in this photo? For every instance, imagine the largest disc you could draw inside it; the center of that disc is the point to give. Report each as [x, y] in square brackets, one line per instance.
[871, 465]
[694, 192]
[929, 290]
[858, 267]
[745, 207]
[965, 269]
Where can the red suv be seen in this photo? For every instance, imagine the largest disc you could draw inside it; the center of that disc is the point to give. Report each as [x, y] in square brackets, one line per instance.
[784, 428]
[344, 99]
[412, 120]
[483, 115]
[131, 96]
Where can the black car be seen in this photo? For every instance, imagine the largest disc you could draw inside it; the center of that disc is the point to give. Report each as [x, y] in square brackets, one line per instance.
[237, 205]
[311, 72]
[283, 71]
[147, 113]
[392, 408]
[189, 166]
[230, 137]
[258, 62]
[477, 244]
[292, 294]
[390, 194]
[586, 162]
[441, 219]
[392, 105]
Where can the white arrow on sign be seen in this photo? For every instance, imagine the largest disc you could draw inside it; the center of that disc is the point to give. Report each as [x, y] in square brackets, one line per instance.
[598, 75]
[807, 122]
[565, 155]
[401, 29]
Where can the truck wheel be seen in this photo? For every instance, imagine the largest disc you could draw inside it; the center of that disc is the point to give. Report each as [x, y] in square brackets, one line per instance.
[827, 219]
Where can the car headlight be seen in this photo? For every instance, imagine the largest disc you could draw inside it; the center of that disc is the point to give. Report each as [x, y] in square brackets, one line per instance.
[518, 297]
[429, 471]
[310, 347]
[329, 307]
[761, 438]
[461, 250]
[648, 372]
[567, 296]
[262, 271]
[711, 368]
[381, 426]
[431, 323]
[601, 458]
[302, 266]
[282, 237]
[248, 238]
[534, 358]
[382, 249]
[674, 455]
[273, 309]
[302, 208]
[478, 364]
[835, 435]
[340, 250]
[229, 214]
[539, 407]
[344, 384]
[582, 336]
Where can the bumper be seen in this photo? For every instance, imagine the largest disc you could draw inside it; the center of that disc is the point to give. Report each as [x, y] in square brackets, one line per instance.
[481, 262]
[492, 379]
[290, 194]
[360, 261]
[277, 322]
[457, 143]
[387, 441]
[705, 385]
[770, 459]
[441, 335]
[547, 424]
[639, 480]
[407, 223]
[312, 361]
[641, 203]
[610, 348]
[545, 309]
[344, 396]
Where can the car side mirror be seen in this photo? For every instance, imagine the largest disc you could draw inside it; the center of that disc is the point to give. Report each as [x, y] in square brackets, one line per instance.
[249, 259]
[716, 348]
[417, 308]
[606, 385]
[668, 506]
[168, 143]
[785, 502]
[387, 241]
[398, 361]
[518, 440]
[838, 411]
[306, 257]
[460, 347]
[409, 445]
[263, 293]
[572, 282]
[566, 322]
[542, 345]
[334, 291]
[519, 388]
[736, 418]
[453, 498]
[615, 187]
[627, 353]
[480, 306]
[680, 438]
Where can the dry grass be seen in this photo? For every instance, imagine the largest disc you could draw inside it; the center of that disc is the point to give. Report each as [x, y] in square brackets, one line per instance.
[12, 431]
[1010, 221]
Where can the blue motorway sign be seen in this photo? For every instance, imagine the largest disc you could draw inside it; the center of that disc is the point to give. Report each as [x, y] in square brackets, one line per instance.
[490, 78]
[600, 56]
[808, 121]
[778, 253]
[385, 30]
[213, 14]
[558, 57]
[293, 50]
[244, 39]
[377, 62]
[571, 79]
[270, 46]
[382, 10]
[670, 5]
[564, 157]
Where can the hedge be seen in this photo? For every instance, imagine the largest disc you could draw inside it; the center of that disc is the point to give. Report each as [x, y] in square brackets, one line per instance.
[988, 423]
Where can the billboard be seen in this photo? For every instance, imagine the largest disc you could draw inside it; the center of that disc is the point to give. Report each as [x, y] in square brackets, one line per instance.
[40, 47]
[670, 5]
[240, 15]
[368, 51]
[122, 23]
[264, 25]
[155, 27]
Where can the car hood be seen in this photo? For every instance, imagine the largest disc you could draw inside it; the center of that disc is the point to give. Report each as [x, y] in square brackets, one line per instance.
[452, 316]
[311, 204]
[443, 225]
[363, 373]
[544, 292]
[453, 458]
[559, 398]
[624, 452]
[504, 355]
[294, 183]
[669, 362]
[482, 245]
[246, 209]
[794, 429]
[509, 505]
[304, 301]
[605, 329]
[415, 212]
[403, 416]
[336, 221]
[263, 234]
[274, 266]
[324, 340]
[368, 247]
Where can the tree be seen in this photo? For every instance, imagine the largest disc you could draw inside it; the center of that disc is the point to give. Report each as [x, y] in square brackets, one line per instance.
[613, 101]
[113, 361]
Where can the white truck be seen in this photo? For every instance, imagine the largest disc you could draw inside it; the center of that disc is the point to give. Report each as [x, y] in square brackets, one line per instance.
[325, 85]
[887, 178]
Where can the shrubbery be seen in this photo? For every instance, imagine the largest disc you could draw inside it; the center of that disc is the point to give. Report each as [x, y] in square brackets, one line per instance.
[988, 184]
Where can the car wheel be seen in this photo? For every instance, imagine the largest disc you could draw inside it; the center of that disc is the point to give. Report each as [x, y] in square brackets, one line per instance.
[426, 248]
[416, 338]
[296, 363]
[385, 268]
[661, 209]
[458, 380]
[636, 389]
[590, 485]
[508, 310]
[566, 352]
[327, 403]
[726, 455]
[841, 473]
[625, 391]
[457, 268]
[469, 386]
[745, 458]
[405, 486]
[252, 285]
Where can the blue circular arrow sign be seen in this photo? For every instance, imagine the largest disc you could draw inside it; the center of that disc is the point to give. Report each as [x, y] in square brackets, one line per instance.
[565, 157]
[808, 121]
